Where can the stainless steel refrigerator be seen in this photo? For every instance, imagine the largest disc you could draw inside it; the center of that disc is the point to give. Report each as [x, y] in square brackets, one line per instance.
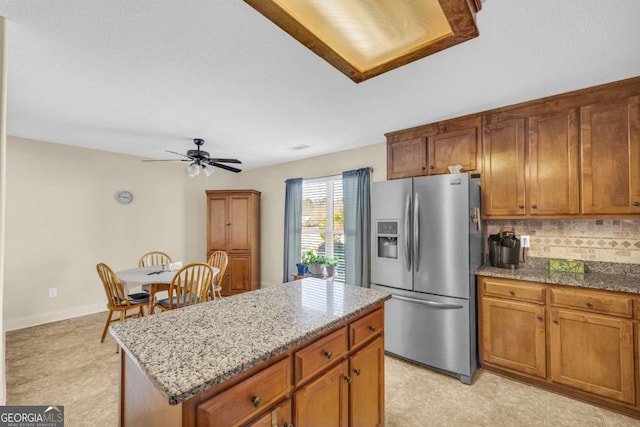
[426, 244]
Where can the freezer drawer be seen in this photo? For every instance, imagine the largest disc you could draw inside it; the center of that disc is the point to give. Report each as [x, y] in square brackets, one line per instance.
[432, 330]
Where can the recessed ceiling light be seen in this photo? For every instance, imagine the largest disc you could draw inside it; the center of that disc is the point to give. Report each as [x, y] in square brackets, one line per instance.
[365, 38]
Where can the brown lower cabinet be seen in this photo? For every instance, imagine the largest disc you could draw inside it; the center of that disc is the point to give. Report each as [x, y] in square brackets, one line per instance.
[336, 379]
[575, 341]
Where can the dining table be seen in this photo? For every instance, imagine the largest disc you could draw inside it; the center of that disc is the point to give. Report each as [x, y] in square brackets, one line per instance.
[152, 279]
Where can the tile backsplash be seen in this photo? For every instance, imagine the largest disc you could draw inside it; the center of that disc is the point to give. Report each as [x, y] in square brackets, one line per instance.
[605, 240]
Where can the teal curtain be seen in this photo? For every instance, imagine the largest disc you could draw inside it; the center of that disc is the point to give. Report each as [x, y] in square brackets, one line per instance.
[356, 186]
[292, 227]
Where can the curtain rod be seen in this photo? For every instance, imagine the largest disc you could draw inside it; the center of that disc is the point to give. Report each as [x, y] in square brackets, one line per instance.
[337, 173]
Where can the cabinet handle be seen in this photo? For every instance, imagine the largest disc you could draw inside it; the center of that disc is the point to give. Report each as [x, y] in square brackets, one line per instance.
[372, 328]
[228, 223]
[555, 321]
[328, 354]
[521, 206]
[256, 401]
[512, 293]
[347, 378]
[286, 424]
[357, 371]
[534, 206]
[588, 303]
[636, 204]
[539, 317]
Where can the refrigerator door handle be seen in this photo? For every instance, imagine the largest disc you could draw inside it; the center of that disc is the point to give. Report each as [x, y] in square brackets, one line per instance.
[416, 233]
[433, 304]
[407, 244]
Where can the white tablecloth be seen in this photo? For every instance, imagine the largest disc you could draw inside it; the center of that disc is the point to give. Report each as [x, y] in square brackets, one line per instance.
[137, 277]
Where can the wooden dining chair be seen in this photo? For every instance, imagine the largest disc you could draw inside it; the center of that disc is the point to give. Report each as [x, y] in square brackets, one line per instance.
[154, 258]
[218, 259]
[117, 299]
[190, 285]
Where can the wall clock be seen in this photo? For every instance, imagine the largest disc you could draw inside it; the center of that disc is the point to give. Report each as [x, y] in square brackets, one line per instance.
[124, 197]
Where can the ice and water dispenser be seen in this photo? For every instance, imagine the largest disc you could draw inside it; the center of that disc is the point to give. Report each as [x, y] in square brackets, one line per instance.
[387, 237]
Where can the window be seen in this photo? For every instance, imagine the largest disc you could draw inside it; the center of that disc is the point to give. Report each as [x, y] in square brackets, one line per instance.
[323, 219]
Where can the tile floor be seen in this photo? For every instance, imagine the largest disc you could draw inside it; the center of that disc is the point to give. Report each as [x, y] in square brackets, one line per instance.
[63, 363]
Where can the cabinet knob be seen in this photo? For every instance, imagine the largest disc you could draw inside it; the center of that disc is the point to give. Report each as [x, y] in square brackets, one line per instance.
[347, 378]
[539, 317]
[372, 328]
[431, 167]
[328, 354]
[636, 204]
[286, 424]
[256, 401]
[356, 371]
[521, 206]
[534, 206]
[555, 321]
[512, 293]
[228, 223]
[588, 303]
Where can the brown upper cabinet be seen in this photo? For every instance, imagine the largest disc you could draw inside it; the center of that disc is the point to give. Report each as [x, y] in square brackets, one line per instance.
[573, 155]
[531, 164]
[610, 137]
[431, 149]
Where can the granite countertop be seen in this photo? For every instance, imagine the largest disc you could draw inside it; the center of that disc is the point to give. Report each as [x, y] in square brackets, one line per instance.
[186, 351]
[598, 275]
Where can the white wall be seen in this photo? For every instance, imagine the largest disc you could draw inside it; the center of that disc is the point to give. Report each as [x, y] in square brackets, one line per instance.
[3, 188]
[62, 219]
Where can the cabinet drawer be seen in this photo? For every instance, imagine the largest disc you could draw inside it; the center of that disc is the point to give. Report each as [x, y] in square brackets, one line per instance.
[247, 398]
[516, 290]
[601, 302]
[368, 326]
[315, 357]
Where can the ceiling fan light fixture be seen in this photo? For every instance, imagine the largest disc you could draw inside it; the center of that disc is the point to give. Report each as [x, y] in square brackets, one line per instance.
[208, 170]
[193, 169]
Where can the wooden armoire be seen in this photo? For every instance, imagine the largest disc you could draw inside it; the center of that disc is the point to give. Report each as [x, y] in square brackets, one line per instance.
[233, 225]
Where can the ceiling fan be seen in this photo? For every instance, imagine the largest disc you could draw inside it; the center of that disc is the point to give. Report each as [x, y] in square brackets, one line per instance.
[200, 159]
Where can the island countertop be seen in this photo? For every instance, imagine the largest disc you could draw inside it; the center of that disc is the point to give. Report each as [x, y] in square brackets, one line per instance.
[186, 351]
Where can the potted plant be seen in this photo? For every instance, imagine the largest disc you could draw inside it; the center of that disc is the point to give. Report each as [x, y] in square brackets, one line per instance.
[316, 267]
[332, 265]
[306, 259]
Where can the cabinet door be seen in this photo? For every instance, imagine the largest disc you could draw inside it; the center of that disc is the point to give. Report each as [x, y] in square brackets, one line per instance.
[593, 353]
[553, 164]
[323, 402]
[610, 137]
[503, 191]
[406, 158]
[278, 416]
[453, 148]
[239, 223]
[366, 397]
[513, 336]
[238, 274]
[217, 223]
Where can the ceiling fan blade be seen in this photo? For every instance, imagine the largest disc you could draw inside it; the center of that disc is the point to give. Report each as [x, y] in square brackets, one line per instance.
[225, 167]
[166, 160]
[179, 154]
[225, 160]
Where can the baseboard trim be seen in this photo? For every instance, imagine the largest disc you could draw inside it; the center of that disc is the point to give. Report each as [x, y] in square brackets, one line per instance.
[42, 318]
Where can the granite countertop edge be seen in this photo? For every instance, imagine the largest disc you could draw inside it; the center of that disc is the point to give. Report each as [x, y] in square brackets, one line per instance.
[235, 368]
[617, 282]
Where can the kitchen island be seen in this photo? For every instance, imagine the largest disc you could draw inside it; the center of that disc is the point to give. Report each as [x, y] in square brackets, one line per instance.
[295, 353]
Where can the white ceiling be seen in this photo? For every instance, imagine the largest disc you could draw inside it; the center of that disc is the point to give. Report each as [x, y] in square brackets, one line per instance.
[139, 77]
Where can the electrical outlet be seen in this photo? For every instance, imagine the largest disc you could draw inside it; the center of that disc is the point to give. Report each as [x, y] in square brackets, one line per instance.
[525, 241]
[53, 292]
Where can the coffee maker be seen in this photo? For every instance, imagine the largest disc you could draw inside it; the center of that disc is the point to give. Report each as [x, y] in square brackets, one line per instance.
[504, 250]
